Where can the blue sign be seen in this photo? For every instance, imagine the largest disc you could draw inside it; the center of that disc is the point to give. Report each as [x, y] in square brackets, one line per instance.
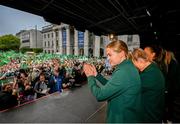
[80, 39]
[64, 38]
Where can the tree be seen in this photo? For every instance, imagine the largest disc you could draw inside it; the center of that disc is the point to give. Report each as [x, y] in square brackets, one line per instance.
[25, 49]
[9, 42]
[36, 50]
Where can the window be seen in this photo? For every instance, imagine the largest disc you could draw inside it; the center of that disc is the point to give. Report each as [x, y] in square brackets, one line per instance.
[48, 35]
[44, 36]
[56, 34]
[25, 41]
[57, 43]
[48, 44]
[129, 38]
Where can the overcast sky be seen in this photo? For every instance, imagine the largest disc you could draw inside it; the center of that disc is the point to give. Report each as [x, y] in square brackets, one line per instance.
[12, 21]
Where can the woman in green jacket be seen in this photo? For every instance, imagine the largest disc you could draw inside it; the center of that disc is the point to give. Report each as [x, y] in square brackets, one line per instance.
[153, 87]
[123, 90]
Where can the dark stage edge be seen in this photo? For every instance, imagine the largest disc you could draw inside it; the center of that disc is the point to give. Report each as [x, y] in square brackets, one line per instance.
[71, 106]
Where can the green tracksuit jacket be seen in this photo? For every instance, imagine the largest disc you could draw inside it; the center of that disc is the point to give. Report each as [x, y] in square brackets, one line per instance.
[122, 92]
[153, 93]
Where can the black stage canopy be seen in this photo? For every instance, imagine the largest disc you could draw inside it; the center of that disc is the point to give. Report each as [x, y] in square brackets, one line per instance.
[156, 21]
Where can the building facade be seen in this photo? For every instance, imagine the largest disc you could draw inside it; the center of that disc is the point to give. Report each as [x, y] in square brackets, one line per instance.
[132, 41]
[65, 39]
[30, 38]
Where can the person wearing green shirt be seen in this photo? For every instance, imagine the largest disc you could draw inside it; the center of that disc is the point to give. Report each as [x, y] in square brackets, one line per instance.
[122, 91]
[153, 87]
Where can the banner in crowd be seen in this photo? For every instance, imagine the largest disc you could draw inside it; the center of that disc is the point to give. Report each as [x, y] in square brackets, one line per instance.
[25, 60]
[64, 38]
[80, 39]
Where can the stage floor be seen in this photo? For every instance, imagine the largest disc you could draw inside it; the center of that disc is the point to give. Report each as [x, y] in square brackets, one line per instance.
[71, 106]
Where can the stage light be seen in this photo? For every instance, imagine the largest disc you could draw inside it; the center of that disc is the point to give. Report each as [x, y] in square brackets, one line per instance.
[111, 36]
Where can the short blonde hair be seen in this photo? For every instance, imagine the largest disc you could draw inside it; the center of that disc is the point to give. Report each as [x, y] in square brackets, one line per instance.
[118, 46]
[139, 53]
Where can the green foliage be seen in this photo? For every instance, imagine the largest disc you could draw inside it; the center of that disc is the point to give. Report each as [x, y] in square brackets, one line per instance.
[25, 49]
[9, 42]
[36, 50]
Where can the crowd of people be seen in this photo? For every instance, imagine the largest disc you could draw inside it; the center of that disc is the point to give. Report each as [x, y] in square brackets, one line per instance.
[144, 84]
[38, 80]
